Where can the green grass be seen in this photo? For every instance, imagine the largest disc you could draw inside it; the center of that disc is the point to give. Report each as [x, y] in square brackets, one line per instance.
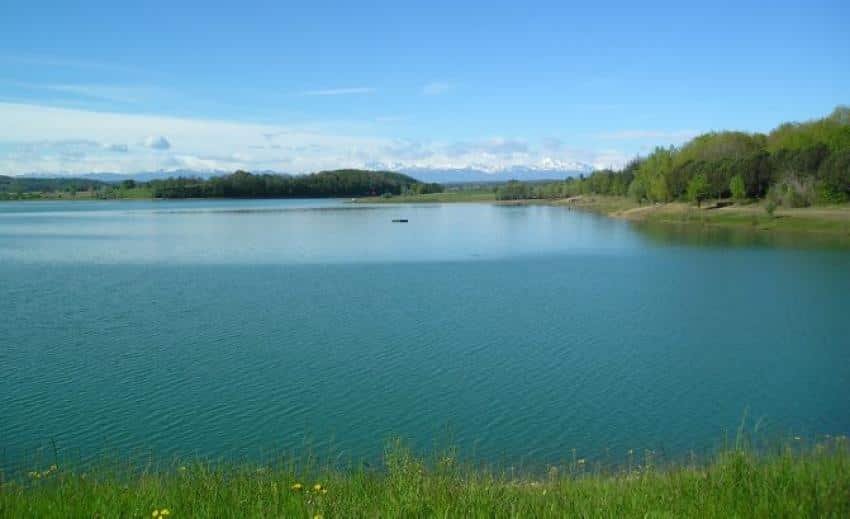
[792, 481]
[831, 220]
[603, 204]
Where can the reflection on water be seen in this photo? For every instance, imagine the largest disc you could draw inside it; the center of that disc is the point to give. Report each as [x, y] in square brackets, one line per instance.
[692, 235]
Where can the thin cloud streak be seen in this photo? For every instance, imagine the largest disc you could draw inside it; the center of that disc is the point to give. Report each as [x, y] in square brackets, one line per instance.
[339, 91]
[435, 88]
[48, 61]
[105, 92]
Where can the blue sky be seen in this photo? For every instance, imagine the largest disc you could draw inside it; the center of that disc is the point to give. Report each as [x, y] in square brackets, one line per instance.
[298, 87]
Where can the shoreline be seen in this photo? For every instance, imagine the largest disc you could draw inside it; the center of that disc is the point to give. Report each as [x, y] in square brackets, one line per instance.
[824, 220]
[832, 220]
[828, 220]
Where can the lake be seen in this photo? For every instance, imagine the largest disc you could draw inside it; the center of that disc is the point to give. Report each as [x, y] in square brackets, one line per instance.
[522, 335]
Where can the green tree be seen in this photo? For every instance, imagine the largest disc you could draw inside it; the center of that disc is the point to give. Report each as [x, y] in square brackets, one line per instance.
[513, 190]
[652, 175]
[737, 187]
[698, 189]
[637, 190]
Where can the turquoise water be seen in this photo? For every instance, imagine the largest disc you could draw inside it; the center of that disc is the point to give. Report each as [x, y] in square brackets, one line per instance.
[236, 329]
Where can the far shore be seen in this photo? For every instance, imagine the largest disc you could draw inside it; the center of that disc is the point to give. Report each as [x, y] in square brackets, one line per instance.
[831, 219]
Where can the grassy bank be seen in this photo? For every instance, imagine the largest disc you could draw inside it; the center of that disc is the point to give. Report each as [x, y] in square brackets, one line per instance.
[792, 481]
[821, 219]
[834, 219]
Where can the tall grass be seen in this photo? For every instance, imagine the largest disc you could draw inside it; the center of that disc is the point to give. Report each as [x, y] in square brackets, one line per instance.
[790, 481]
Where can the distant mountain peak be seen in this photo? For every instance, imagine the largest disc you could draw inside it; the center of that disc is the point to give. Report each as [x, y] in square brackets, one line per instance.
[550, 171]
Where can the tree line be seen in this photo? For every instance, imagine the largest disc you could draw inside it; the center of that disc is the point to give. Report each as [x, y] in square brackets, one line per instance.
[241, 184]
[796, 164]
[338, 183]
[20, 185]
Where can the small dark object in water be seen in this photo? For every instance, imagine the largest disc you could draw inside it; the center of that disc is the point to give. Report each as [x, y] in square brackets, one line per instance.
[400, 220]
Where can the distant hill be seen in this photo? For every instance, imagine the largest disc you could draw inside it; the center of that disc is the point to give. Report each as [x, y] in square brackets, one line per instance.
[336, 183]
[146, 176]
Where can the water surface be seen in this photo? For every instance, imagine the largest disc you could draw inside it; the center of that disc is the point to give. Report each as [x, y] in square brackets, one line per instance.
[240, 328]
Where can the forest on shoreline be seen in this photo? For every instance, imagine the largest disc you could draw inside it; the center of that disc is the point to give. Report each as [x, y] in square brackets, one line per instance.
[795, 165]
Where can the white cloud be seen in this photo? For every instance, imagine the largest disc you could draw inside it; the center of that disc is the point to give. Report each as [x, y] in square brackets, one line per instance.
[40, 139]
[499, 147]
[435, 88]
[157, 142]
[389, 119]
[339, 91]
[121, 94]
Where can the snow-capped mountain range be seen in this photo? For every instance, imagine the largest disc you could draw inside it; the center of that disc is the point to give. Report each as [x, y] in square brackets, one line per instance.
[452, 175]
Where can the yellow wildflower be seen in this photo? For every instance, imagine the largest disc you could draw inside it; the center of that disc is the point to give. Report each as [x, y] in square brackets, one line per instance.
[164, 512]
[155, 513]
[317, 487]
[297, 487]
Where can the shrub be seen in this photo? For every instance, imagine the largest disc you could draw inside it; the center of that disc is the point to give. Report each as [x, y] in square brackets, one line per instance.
[834, 172]
[793, 191]
[770, 207]
[827, 194]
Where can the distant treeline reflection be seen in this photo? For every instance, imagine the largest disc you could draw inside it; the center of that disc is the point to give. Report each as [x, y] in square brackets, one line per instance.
[714, 236]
